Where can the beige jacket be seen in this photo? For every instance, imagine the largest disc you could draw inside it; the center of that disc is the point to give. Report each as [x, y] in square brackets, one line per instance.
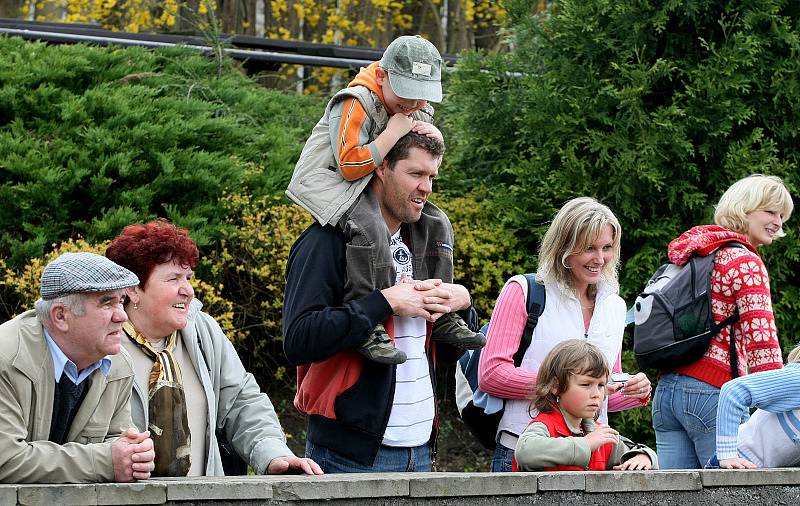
[27, 386]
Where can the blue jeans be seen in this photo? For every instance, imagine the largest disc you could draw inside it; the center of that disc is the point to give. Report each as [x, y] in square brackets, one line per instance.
[390, 459]
[501, 463]
[685, 421]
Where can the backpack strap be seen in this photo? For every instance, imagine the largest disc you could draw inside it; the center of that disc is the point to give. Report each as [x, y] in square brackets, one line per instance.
[734, 356]
[729, 321]
[535, 298]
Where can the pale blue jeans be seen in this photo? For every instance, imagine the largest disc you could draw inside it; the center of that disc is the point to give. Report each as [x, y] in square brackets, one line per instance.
[502, 461]
[685, 421]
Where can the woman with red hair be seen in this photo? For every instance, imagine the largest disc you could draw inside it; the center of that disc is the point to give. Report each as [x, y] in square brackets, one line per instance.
[190, 385]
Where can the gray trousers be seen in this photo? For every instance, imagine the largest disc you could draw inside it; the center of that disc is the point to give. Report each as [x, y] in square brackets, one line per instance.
[369, 260]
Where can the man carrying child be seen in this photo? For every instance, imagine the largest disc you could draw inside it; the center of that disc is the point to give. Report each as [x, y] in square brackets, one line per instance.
[364, 416]
[362, 122]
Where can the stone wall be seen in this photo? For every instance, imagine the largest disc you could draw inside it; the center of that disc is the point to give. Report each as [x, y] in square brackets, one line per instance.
[738, 488]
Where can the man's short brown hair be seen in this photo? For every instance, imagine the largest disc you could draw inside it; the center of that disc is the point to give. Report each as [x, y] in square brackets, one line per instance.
[402, 148]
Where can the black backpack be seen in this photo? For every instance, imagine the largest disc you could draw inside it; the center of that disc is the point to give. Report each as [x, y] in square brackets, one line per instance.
[480, 411]
[673, 320]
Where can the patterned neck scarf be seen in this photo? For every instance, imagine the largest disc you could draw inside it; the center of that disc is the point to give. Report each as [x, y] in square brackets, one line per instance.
[169, 425]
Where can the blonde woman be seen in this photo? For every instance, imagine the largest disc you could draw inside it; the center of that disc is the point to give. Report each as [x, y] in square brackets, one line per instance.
[751, 212]
[578, 262]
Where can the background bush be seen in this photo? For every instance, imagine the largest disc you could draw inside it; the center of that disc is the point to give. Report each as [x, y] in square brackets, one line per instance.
[654, 108]
[92, 139]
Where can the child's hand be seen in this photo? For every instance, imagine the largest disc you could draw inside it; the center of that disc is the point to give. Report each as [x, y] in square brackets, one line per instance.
[399, 124]
[639, 462]
[736, 463]
[602, 436]
[428, 130]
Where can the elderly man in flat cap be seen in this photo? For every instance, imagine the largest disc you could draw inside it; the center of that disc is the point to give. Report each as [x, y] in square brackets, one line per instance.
[65, 382]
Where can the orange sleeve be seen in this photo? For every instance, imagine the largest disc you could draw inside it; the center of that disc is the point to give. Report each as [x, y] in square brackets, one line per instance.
[355, 161]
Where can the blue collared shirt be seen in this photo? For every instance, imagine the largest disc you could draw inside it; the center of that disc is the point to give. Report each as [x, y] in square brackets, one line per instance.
[61, 363]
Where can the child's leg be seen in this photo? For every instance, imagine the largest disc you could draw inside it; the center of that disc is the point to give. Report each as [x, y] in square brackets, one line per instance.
[369, 262]
[369, 266]
[432, 245]
[432, 240]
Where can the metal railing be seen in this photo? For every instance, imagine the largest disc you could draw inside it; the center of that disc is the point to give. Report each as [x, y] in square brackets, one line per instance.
[258, 54]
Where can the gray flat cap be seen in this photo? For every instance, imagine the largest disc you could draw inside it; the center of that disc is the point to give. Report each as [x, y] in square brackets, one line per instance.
[83, 272]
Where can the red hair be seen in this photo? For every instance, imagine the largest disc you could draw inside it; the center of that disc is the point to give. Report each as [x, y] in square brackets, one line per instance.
[141, 247]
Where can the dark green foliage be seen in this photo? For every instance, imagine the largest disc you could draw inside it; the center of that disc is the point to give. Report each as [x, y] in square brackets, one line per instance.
[92, 139]
[652, 107]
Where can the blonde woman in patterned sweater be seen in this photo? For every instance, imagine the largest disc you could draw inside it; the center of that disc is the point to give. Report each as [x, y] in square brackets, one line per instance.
[751, 212]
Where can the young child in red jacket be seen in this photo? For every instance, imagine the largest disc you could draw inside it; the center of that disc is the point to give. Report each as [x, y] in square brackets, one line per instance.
[570, 388]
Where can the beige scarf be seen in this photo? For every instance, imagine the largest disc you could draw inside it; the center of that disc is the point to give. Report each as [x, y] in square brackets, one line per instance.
[169, 425]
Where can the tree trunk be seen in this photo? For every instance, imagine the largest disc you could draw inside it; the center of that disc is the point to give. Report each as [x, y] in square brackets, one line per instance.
[10, 8]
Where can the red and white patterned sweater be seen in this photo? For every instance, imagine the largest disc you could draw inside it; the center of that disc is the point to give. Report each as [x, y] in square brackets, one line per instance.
[740, 280]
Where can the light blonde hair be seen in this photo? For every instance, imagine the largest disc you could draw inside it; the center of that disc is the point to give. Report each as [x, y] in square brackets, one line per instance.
[794, 355]
[753, 193]
[573, 356]
[575, 227]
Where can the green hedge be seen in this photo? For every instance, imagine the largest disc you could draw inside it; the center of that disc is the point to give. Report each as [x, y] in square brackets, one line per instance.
[92, 139]
[652, 107]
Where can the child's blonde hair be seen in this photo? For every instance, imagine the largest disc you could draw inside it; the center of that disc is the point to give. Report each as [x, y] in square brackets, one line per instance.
[573, 356]
[753, 193]
[575, 227]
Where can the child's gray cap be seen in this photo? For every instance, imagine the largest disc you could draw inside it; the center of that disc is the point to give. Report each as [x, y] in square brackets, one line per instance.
[83, 272]
[414, 66]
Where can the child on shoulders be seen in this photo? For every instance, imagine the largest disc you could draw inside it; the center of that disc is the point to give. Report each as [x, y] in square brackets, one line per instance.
[570, 388]
[361, 124]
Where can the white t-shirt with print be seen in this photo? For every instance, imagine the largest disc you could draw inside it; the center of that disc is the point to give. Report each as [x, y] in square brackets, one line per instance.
[411, 417]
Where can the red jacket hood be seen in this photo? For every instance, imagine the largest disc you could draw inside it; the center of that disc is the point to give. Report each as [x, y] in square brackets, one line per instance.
[703, 240]
[366, 77]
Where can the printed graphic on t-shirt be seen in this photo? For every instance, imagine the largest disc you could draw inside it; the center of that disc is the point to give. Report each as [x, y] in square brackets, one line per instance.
[402, 258]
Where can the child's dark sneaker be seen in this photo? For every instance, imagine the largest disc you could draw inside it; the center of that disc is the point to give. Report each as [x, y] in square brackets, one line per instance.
[379, 348]
[451, 329]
